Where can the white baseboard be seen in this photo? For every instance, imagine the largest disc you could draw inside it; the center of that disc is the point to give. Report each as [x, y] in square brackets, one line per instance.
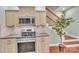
[54, 44]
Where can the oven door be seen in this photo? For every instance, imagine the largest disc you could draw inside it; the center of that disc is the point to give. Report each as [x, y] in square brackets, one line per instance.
[26, 47]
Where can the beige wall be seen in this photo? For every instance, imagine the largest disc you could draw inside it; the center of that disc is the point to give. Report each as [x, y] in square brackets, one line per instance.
[8, 46]
[26, 11]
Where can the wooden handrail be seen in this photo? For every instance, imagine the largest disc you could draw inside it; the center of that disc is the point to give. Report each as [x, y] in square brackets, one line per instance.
[51, 19]
[51, 12]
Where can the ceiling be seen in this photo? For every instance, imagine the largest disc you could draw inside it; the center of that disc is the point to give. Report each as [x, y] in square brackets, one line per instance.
[61, 8]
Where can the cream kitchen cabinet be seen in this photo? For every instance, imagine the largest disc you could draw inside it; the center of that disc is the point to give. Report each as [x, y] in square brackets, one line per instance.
[42, 45]
[11, 17]
[8, 45]
[41, 18]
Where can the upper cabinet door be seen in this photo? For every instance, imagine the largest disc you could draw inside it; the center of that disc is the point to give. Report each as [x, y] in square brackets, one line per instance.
[40, 17]
[11, 17]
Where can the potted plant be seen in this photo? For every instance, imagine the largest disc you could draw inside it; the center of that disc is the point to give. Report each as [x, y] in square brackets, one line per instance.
[62, 23]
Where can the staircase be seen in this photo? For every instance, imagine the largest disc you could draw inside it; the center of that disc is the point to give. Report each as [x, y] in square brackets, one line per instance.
[69, 41]
[51, 16]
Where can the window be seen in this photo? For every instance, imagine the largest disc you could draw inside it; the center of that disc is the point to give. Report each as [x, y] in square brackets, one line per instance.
[33, 20]
[27, 20]
[28, 34]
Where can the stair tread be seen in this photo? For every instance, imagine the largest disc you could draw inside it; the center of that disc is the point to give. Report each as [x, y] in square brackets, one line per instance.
[72, 42]
[67, 37]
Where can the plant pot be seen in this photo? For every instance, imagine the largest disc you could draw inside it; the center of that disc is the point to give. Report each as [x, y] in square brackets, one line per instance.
[61, 47]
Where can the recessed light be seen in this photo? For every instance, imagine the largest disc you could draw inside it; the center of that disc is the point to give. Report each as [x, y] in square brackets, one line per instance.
[64, 9]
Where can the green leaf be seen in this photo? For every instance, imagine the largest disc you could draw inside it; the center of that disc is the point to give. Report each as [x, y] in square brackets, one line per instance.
[61, 24]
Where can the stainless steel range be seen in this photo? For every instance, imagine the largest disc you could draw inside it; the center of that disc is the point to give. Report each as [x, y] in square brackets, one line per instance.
[26, 41]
